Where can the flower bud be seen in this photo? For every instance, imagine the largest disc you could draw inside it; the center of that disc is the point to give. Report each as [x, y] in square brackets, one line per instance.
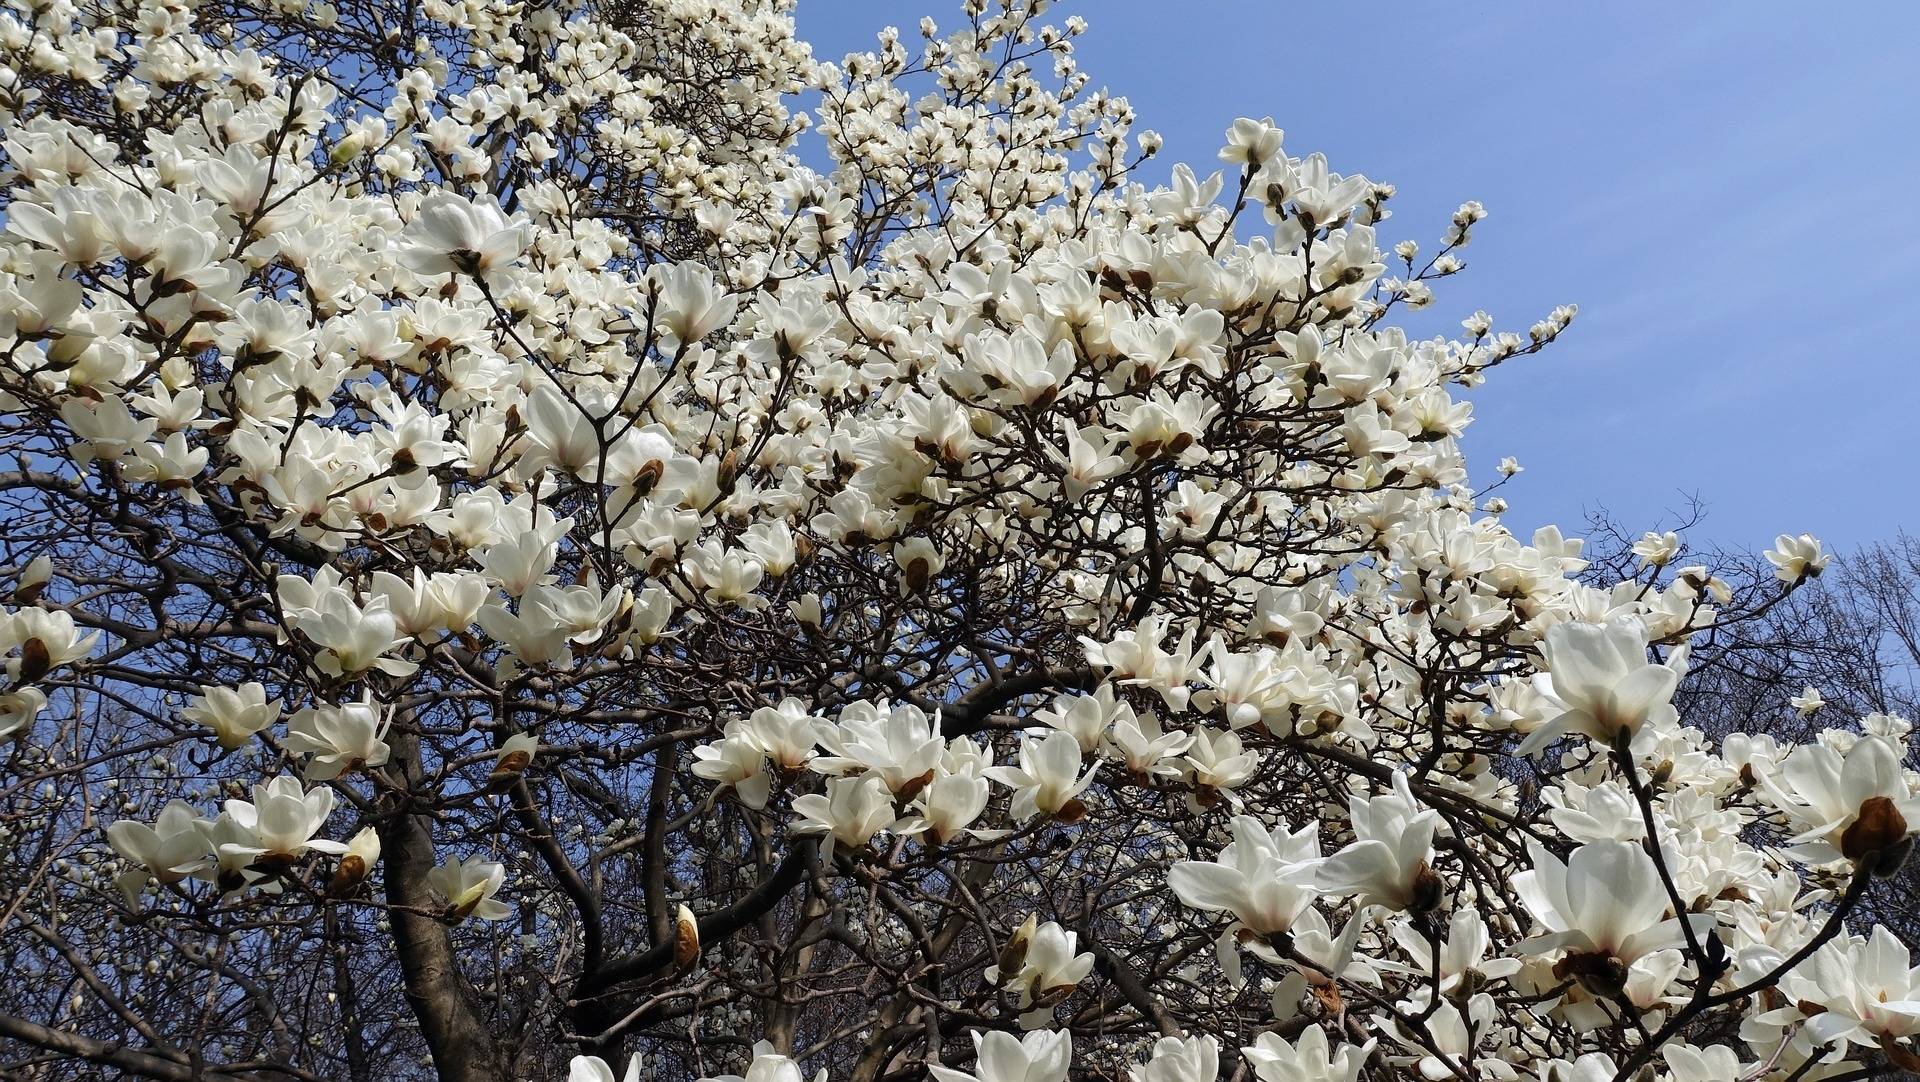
[363, 850]
[1878, 828]
[33, 581]
[1428, 890]
[1013, 953]
[1601, 974]
[515, 755]
[686, 940]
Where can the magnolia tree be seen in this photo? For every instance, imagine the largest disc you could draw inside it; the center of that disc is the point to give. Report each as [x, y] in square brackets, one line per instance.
[511, 574]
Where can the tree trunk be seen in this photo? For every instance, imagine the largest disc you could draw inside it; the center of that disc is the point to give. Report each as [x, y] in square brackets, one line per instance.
[463, 1050]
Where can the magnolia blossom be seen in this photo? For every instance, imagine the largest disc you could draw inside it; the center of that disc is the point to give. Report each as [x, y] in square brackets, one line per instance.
[1308, 1058]
[1449, 1038]
[1218, 763]
[281, 820]
[851, 812]
[1039, 964]
[45, 640]
[18, 709]
[951, 803]
[352, 637]
[1386, 864]
[899, 745]
[1264, 878]
[595, 1069]
[1605, 907]
[1657, 549]
[1854, 805]
[1691, 1064]
[1048, 779]
[233, 714]
[738, 760]
[1808, 702]
[1325, 959]
[1136, 657]
[1041, 1056]
[786, 733]
[516, 754]
[1796, 559]
[1861, 989]
[1463, 956]
[174, 847]
[1144, 747]
[340, 738]
[767, 1066]
[439, 602]
[469, 884]
[1180, 1059]
[363, 852]
[694, 305]
[450, 235]
[1600, 677]
[1087, 717]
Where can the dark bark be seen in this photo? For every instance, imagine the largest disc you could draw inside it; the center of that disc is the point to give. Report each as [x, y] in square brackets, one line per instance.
[450, 1020]
[131, 1060]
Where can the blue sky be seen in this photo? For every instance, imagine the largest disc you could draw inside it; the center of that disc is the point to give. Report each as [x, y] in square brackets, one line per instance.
[1726, 190]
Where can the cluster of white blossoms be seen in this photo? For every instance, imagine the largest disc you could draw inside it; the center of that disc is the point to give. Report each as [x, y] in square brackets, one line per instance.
[478, 498]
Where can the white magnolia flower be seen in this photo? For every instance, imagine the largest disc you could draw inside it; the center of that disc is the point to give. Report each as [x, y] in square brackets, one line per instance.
[1657, 549]
[1606, 811]
[1605, 907]
[768, 1066]
[1264, 878]
[1252, 143]
[1309, 1058]
[174, 847]
[1848, 806]
[427, 603]
[1713, 1064]
[899, 745]
[1041, 1056]
[851, 812]
[1450, 1036]
[595, 1069]
[363, 852]
[1386, 864]
[45, 640]
[233, 714]
[1602, 680]
[1217, 763]
[1047, 780]
[469, 886]
[1085, 716]
[18, 710]
[786, 733]
[1797, 559]
[1808, 702]
[350, 736]
[1464, 957]
[511, 761]
[738, 760]
[281, 821]
[1180, 1059]
[1144, 748]
[692, 304]
[951, 803]
[451, 235]
[1039, 964]
[1859, 989]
